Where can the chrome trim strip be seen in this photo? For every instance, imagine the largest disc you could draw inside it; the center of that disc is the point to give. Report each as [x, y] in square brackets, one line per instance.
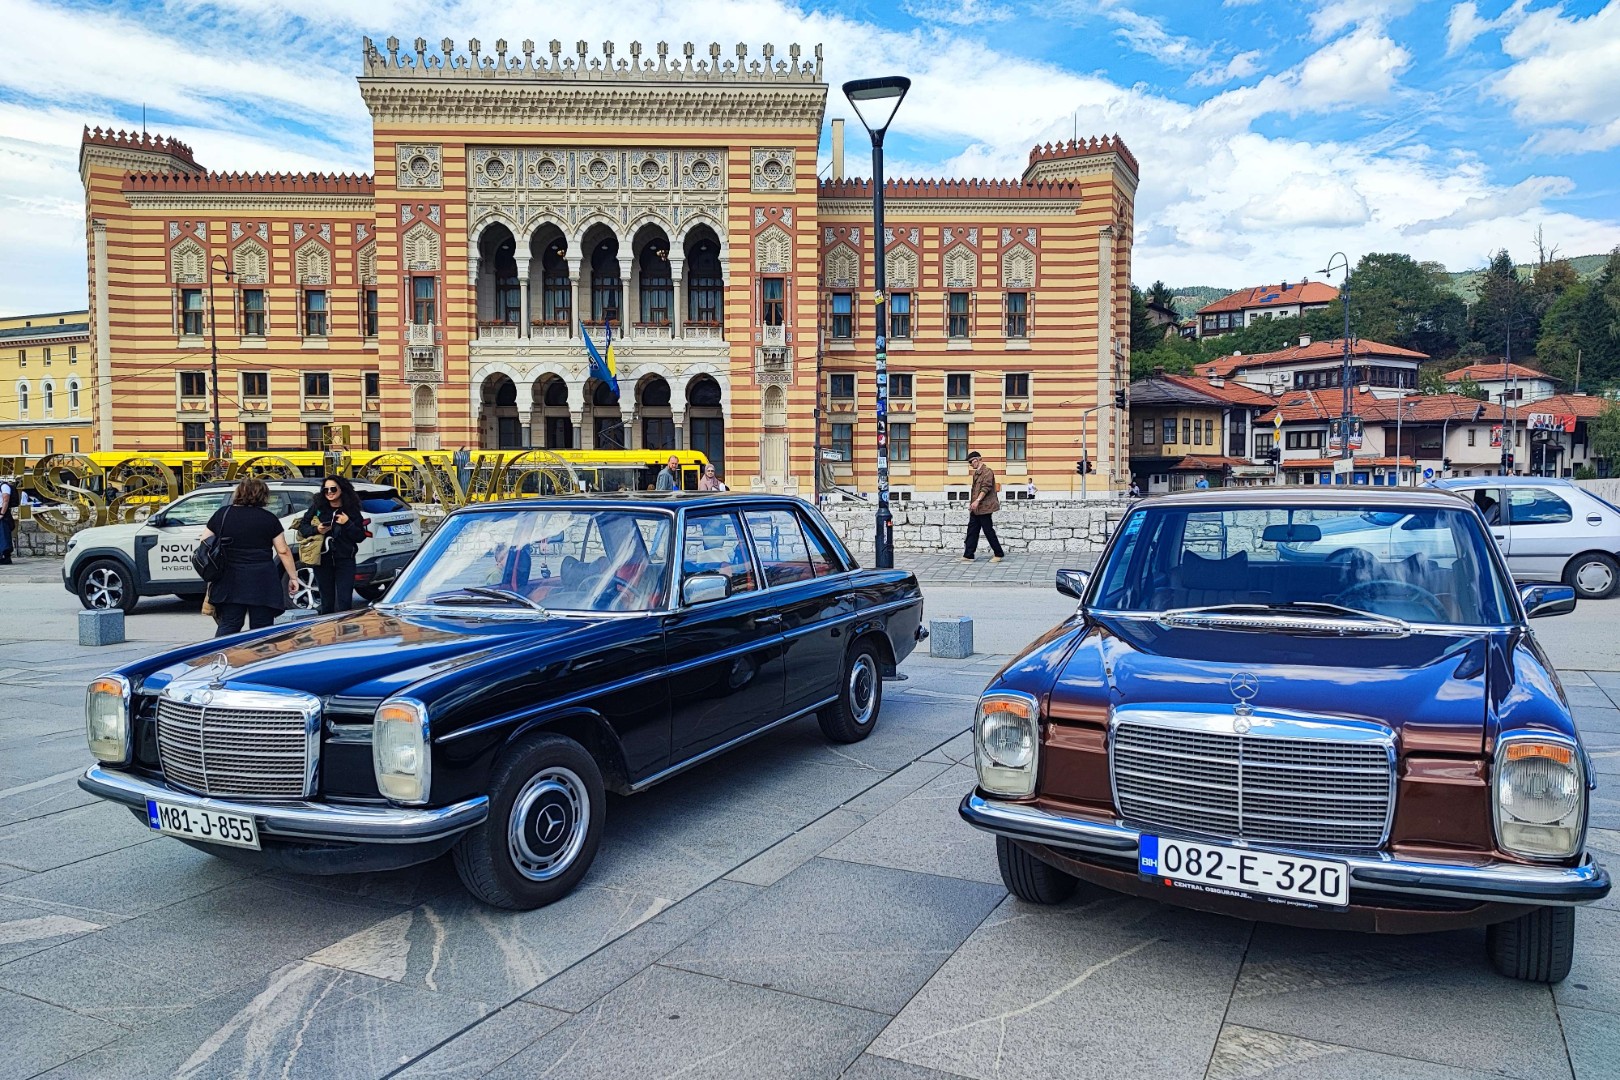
[301, 820]
[1486, 880]
[715, 751]
[1448, 629]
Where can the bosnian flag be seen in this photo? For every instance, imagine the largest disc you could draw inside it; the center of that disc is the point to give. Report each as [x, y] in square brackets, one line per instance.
[606, 369]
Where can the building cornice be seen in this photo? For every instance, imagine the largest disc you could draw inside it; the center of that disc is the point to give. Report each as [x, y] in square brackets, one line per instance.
[936, 207]
[654, 106]
[240, 201]
[449, 65]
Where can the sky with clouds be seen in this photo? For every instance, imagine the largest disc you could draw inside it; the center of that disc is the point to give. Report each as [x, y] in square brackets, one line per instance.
[1270, 135]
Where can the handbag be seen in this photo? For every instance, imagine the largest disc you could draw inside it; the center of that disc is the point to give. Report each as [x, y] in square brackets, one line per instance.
[309, 550]
[208, 557]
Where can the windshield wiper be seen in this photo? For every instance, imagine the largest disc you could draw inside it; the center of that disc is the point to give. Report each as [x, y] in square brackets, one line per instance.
[488, 592]
[1326, 615]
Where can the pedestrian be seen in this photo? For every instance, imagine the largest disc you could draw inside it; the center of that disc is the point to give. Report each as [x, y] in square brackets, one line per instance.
[1136, 489]
[8, 517]
[1203, 482]
[669, 477]
[982, 503]
[335, 516]
[1029, 492]
[710, 481]
[251, 588]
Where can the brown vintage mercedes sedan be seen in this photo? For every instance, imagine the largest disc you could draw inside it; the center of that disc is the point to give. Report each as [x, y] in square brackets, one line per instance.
[1321, 707]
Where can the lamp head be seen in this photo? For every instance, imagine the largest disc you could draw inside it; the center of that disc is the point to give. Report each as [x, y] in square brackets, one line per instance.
[876, 100]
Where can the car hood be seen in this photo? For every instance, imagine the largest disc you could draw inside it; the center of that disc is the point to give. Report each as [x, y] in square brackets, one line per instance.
[1430, 688]
[371, 653]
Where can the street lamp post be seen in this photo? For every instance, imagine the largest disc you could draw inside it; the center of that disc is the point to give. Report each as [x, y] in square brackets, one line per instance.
[213, 345]
[1344, 377]
[875, 102]
[1507, 364]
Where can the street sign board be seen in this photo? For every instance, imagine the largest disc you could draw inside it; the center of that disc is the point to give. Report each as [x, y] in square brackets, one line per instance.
[1343, 465]
[829, 454]
[1428, 474]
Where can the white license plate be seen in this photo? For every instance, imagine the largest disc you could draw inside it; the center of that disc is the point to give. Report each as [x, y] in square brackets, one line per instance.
[399, 530]
[214, 826]
[1220, 869]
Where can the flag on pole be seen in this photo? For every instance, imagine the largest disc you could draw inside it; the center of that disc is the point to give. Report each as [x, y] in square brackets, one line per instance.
[604, 368]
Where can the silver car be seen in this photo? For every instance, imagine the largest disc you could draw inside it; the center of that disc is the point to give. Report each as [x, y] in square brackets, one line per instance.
[1549, 529]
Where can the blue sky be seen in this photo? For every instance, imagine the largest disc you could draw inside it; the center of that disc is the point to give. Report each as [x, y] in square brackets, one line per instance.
[1270, 135]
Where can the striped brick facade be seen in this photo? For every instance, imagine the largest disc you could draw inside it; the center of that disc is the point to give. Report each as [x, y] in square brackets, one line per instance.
[510, 192]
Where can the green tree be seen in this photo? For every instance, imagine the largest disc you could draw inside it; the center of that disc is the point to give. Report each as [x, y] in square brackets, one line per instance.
[1399, 301]
[1144, 331]
[1504, 320]
[1175, 354]
[1559, 349]
[1159, 293]
[1603, 436]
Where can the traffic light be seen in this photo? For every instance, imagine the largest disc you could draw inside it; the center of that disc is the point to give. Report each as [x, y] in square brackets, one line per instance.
[1091, 466]
[1080, 466]
[1119, 399]
[1510, 463]
[1445, 464]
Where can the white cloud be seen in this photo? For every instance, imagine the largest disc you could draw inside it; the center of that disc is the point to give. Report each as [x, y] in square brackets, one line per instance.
[1463, 25]
[958, 12]
[1357, 69]
[1332, 16]
[1515, 202]
[1147, 35]
[1565, 71]
[1242, 66]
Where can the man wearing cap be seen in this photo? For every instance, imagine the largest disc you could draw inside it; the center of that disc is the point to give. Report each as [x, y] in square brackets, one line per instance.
[982, 503]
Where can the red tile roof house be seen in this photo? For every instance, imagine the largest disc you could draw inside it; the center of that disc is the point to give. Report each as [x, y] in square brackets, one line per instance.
[1492, 376]
[1286, 300]
[1385, 370]
[1184, 428]
[1445, 434]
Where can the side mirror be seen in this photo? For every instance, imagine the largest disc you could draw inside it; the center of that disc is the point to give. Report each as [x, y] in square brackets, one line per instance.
[1072, 582]
[705, 589]
[1543, 600]
[157, 521]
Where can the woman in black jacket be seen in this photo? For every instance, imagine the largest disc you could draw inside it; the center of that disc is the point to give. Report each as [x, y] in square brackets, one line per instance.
[335, 516]
[251, 588]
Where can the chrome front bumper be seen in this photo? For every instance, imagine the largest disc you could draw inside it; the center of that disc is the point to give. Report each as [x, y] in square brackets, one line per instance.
[333, 822]
[1484, 881]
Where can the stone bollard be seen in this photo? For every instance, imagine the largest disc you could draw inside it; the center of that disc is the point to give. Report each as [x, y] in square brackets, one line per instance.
[101, 627]
[951, 638]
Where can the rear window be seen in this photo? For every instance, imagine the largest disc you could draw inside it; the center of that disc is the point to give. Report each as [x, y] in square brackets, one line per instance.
[383, 504]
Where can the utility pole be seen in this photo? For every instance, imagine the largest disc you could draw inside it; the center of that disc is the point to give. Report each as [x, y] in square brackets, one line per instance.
[1344, 415]
[213, 347]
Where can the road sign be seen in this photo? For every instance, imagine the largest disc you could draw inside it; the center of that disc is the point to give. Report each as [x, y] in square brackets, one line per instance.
[1343, 465]
[1276, 420]
[1428, 474]
[829, 454]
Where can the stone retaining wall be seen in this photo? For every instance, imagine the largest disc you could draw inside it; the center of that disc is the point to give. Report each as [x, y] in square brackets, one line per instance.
[31, 541]
[1036, 526]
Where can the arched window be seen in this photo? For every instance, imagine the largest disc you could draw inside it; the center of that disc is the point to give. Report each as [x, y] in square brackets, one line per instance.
[50, 398]
[657, 294]
[704, 393]
[73, 396]
[604, 396]
[557, 394]
[22, 401]
[508, 301]
[655, 393]
[705, 288]
[605, 284]
[558, 303]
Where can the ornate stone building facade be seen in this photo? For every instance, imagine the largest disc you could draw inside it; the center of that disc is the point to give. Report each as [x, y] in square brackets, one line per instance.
[438, 303]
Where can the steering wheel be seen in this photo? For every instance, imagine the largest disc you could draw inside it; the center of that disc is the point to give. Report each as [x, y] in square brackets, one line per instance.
[1354, 563]
[613, 591]
[1394, 589]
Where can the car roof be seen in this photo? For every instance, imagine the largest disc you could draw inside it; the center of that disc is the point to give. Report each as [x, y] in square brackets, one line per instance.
[301, 482]
[649, 500]
[1453, 482]
[1327, 495]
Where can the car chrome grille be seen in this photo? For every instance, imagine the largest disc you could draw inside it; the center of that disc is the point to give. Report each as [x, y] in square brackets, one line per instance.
[216, 749]
[1310, 792]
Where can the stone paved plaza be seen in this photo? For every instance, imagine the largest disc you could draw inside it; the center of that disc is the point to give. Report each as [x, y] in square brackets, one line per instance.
[792, 910]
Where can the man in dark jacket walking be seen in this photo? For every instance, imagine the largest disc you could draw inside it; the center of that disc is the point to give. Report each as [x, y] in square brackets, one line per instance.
[982, 503]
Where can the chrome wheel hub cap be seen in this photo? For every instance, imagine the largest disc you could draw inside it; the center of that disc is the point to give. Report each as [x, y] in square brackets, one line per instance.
[547, 825]
[104, 588]
[862, 689]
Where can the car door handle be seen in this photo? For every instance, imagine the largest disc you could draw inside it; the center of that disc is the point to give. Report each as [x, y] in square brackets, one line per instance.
[768, 620]
[1594, 519]
[1499, 536]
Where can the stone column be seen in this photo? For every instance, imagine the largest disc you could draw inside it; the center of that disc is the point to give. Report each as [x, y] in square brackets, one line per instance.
[523, 298]
[677, 306]
[579, 282]
[679, 419]
[629, 296]
[577, 420]
[632, 432]
[525, 419]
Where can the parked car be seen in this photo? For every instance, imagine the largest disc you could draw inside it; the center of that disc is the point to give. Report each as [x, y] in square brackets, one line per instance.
[538, 653]
[113, 566]
[1379, 745]
[1549, 529]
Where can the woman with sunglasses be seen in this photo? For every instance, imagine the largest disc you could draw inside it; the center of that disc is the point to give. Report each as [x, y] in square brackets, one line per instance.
[335, 516]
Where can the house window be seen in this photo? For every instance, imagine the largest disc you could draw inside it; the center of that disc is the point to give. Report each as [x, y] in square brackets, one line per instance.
[315, 313]
[843, 441]
[1209, 433]
[956, 442]
[843, 316]
[707, 285]
[191, 312]
[313, 436]
[50, 448]
[1015, 385]
[1017, 315]
[1169, 430]
[900, 385]
[255, 384]
[900, 316]
[195, 438]
[900, 442]
[424, 300]
[657, 433]
[46, 357]
[73, 444]
[22, 447]
[1186, 432]
[317, 384]
[1470, 436]
[956, 321]
[22, 357]
[773, 300]
[373, 384]
[256, 436]
[959, 386]
[1263, 443]
[1147, 431]
[371, 312]
[73, 396]
[193, 384]
[373, 436]
[253, 313]
[1017, 441]
[657, 292]
[50, 400]
[73, 357]
[22, 403]
[841, 384]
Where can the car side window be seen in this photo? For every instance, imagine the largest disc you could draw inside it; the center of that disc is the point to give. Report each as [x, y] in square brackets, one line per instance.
[714, 544]
[1489, 501]
[779, 541]
[822, 558]
[197, 509]
[1536, 506]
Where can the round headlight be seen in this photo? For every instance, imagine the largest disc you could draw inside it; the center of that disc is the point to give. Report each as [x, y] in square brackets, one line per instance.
[1540, 797]
[1008, 738]
[1540, 790]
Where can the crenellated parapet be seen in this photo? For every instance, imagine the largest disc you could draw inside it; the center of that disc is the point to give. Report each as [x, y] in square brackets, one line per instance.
[950, 189]
[129, 140]
[446, 62]
[250, 183]
[1078, 149]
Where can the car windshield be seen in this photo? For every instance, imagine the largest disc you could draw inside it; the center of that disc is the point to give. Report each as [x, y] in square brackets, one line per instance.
[1423, 565]
[542, 560]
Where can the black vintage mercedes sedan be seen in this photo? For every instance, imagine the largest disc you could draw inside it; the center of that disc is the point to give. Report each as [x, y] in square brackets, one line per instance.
[534, 655]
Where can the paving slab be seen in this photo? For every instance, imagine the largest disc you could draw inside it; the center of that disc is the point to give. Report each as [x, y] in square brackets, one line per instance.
[884, 794]
[45, 843]
[300, 1020]
[35, 1036]
[130, 881]
[584, 983]
[41, 797]
[866, 936]
[1593, 718]
[873, 1067]
[30, 928]
[787, 855]
[1593, 1039]
[1250, 1054]
[677, 1023]
[485, 1046]
[1594, 978]
[1107, 989]
[1433, 997]
[923, 832]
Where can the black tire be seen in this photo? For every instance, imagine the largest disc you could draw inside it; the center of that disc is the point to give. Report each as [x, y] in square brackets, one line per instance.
[370, 593]
[546, 813]
[860, 696]
[1593, 575]
[106, 585]
[1537, 947]
[1027, 878]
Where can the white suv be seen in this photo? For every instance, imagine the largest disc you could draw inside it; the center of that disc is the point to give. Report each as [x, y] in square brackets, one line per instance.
[113, 566]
